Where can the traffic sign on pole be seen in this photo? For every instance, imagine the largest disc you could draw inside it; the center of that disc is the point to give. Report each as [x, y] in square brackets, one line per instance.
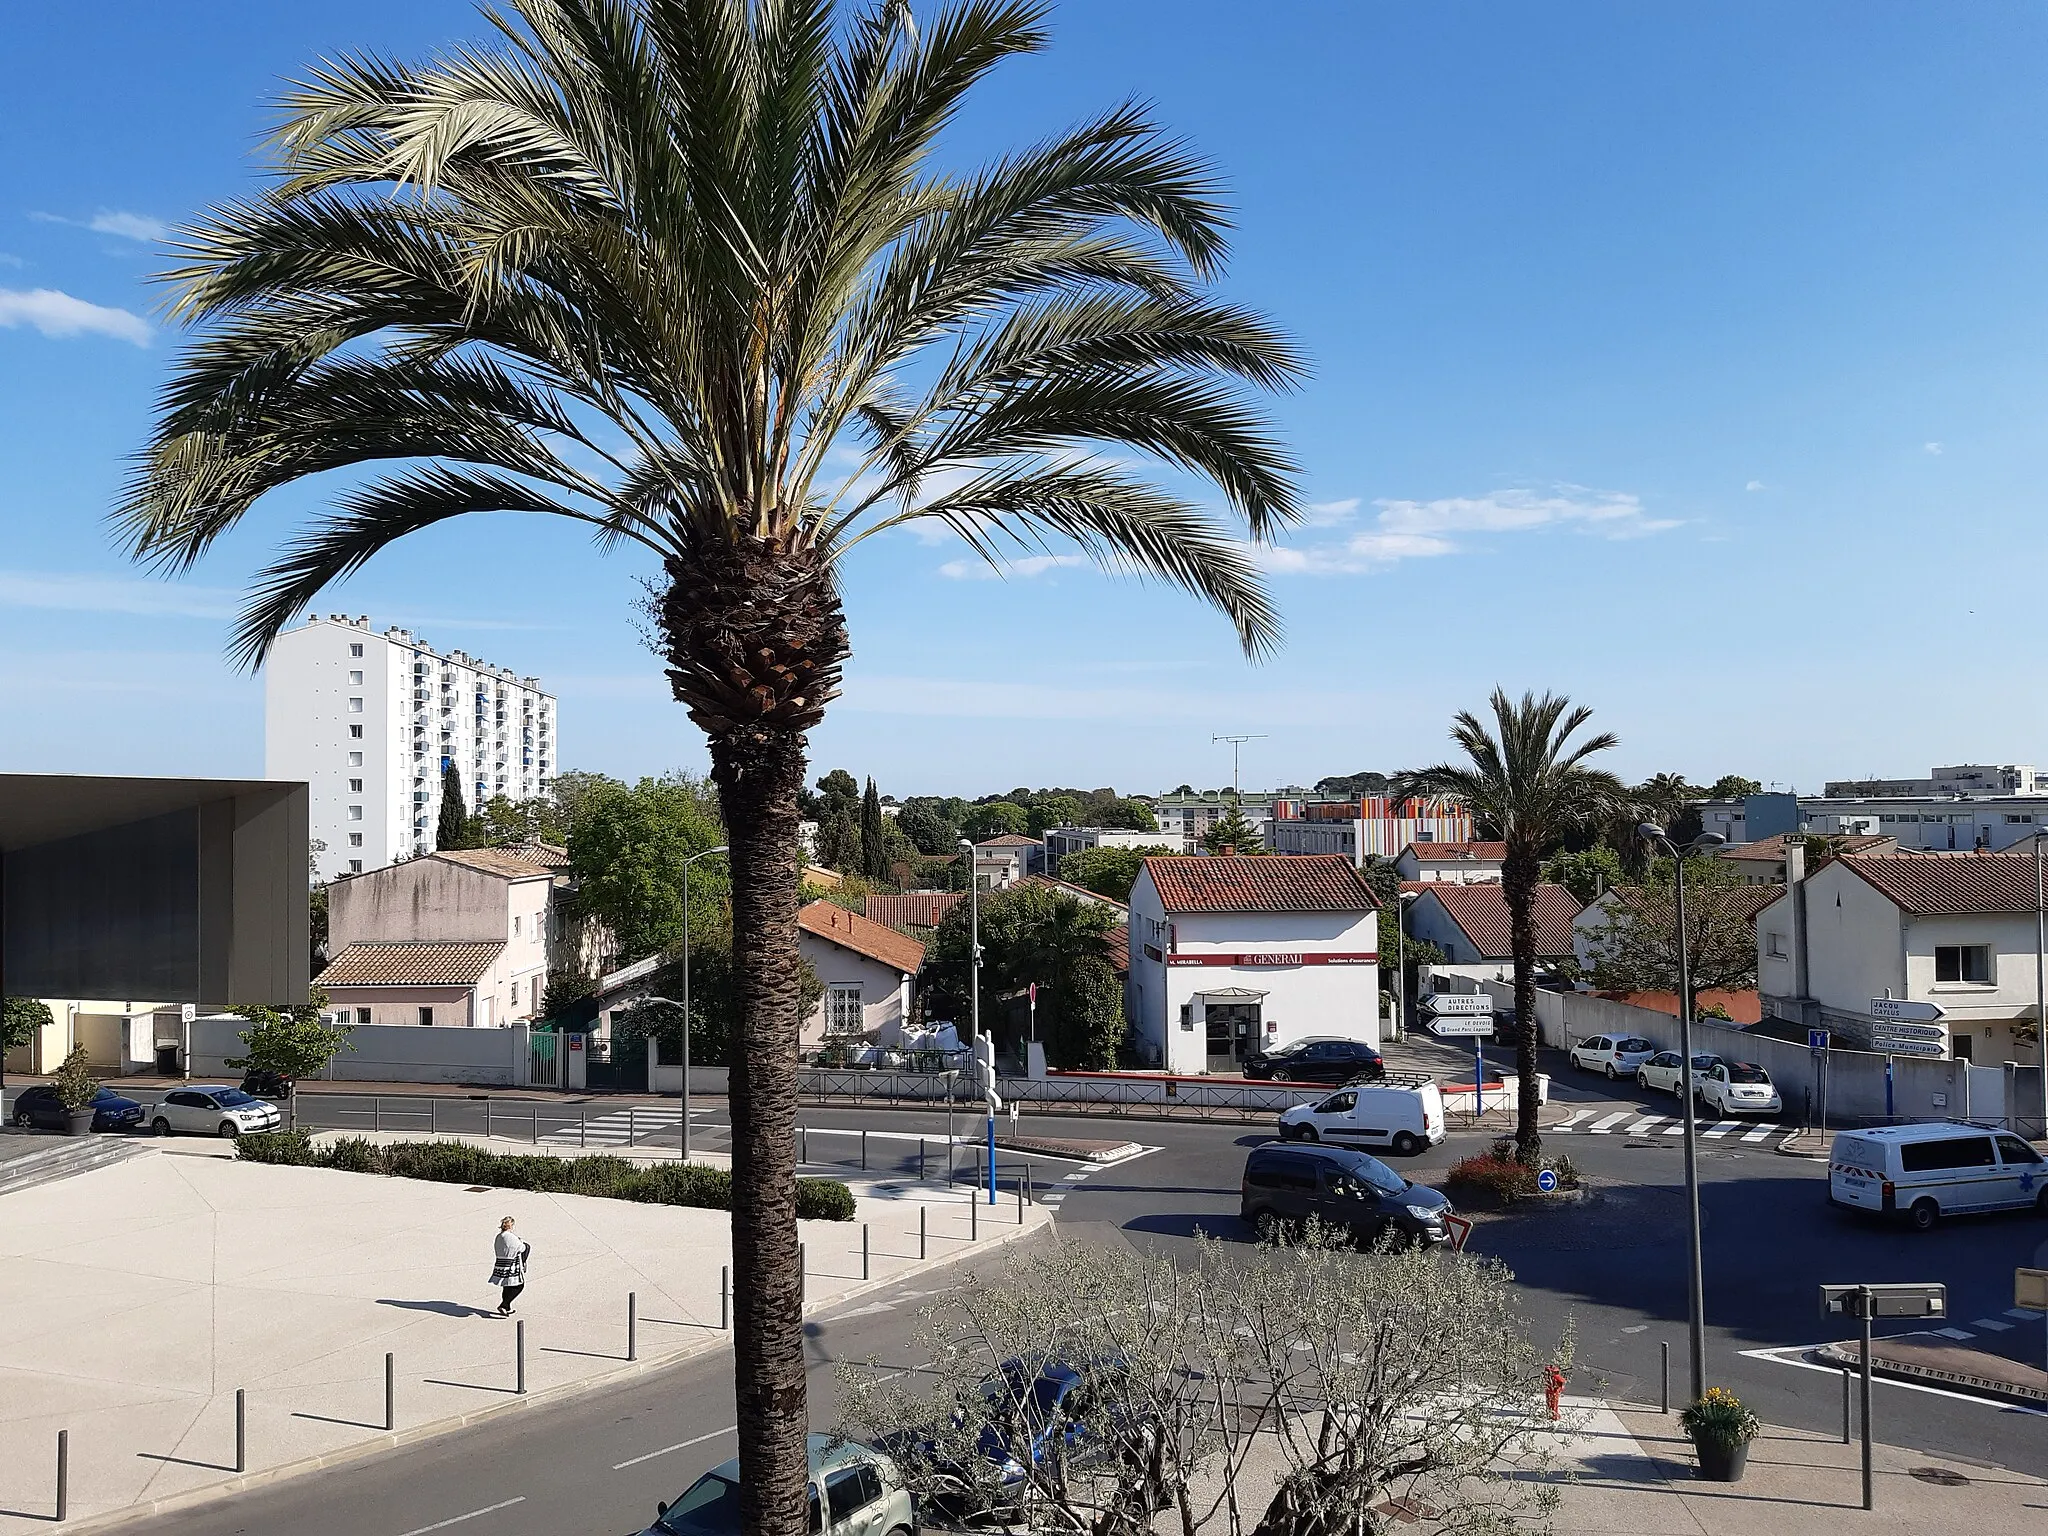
[1885, 1030]
[1816, 1040]
[1897, 1008]
[1447, 1004]
[1462, 1029]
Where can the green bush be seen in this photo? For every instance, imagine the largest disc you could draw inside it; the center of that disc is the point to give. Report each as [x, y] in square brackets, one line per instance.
[603, 1174]
[292, 1148]
[823, 1200]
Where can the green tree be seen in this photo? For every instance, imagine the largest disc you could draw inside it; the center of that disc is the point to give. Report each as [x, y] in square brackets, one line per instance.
[654, 266]
[932, 823]
[994, 818]
[874, 843]
[1638, 949]
[1108, 872]
[291, 1042]
[538, 819]
[1350, 786]
[1133, 815]
[1586, 873]
[1052, 811]
[1233, 832]
[1034, 934]
[454, 829]
[1526, 782]
[20, 1018]
[1732, 786]
[627, 851]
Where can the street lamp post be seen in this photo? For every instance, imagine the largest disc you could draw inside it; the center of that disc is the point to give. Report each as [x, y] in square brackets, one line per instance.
[1695, 1275]
[1401, 905]
[2040, 978]
[693, 858]
[974, 995]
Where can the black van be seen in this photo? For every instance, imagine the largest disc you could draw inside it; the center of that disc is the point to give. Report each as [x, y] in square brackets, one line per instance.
[1286, 1183]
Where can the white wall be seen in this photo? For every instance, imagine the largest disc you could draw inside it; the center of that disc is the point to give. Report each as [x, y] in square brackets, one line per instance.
[884, 995]
[392, 1053]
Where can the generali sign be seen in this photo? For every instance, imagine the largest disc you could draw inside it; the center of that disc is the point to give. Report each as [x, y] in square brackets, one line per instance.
[1275, 958]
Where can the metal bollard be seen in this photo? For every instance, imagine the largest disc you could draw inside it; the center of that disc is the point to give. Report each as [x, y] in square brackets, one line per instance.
[376, 1114]
[1030, 1189]
[582, 1126]
[803, 1146]
[430, 1117]
[1845, 1407]
[520, 1346]
[974, 1215]
[1665, 1397]
[632, 1325]
[487, 1119]
[390, 1395]
[533, 1125]
[241, 1430]
[1020, 1202]
[632, 1119]
[63, 1474]
[920, 1159]
[724, 1297]
[920, 1231]
[863, 1149]
[863, 1250]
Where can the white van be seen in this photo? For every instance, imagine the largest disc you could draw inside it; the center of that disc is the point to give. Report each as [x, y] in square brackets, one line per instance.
[1926, 1172]
[1405, 1120]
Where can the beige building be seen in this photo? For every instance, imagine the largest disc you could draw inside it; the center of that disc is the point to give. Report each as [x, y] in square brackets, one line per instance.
[868, 971]
[465, 937]
[119, 1036]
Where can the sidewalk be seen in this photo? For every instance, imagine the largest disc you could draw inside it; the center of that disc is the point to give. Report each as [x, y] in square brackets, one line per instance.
[149, 1291]
[1634, 1477]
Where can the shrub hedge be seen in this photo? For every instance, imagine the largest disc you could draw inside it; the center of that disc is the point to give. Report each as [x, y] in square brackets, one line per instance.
[614, 1178]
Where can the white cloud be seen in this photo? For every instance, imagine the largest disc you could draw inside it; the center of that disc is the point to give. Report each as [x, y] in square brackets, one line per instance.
[59, 314]
[1933, 448]
[1754, 485]
[84, 592]
[1328, 514]
[1423, 530]
[113, 221]
[978, 569]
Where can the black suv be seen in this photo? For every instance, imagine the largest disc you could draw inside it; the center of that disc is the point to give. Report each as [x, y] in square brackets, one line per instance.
[1284, 1185]
[1317, 1059]
[40, 1106]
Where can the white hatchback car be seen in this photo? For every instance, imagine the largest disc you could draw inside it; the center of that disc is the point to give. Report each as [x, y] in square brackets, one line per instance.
[1616, 1055]
[1740, 1088]
[1664, 1072]
[213, 1111]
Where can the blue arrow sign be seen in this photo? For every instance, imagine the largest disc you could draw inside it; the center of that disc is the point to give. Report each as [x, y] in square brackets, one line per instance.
[1547, 1180]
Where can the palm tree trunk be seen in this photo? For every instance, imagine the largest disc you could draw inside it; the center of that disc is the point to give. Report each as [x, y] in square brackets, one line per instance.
[759, 799]
[755, 639]
[1519, 873]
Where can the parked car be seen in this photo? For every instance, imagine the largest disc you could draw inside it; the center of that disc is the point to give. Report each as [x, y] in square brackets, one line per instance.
[40, 1107]
[1284, 1185]
[1403, 1119]
[1926, 1172]
[855, 1491]
[214, 1110]
[1664, 1072]
[1317, 1059]
[1615, 1055]
[1739, 1088]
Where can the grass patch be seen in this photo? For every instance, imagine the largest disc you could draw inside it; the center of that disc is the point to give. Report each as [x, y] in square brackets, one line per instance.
[611, 1178]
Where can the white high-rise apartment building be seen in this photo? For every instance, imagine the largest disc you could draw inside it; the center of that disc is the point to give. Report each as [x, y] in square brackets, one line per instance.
[370, 719]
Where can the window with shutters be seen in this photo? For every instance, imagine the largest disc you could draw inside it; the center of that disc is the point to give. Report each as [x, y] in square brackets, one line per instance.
[843, 1013]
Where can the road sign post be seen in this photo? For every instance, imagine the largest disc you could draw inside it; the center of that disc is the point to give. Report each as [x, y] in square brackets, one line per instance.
[1817, 1041]
[1866, 1302]
[2030, 1290]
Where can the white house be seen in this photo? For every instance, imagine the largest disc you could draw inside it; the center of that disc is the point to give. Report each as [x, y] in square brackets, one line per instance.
[1462, 863]
[1234, 954]
[1000, 862]
[1470, 924]
[1955, 930]
[868, 971]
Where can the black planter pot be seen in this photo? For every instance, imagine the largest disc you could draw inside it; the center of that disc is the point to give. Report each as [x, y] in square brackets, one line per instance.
[1722, 1461]
[78, 1122]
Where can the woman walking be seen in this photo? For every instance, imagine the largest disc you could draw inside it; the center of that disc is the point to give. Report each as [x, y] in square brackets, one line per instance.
[510, 1273]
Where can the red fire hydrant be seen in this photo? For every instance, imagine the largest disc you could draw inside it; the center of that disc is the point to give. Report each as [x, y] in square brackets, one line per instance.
[1553, 1388]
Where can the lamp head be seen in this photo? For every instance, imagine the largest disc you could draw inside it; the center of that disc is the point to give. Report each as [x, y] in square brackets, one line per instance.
[1709, 840]
[1650, 832]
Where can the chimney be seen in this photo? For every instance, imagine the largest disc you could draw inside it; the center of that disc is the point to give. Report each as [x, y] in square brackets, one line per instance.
[1229, 850]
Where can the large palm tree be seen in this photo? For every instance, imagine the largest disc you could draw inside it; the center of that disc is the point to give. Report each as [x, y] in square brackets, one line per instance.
[682, 271]
[1527, 782]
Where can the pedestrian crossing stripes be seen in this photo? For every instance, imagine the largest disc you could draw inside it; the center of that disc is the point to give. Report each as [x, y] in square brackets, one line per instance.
[617, 1127]
[1595, 1122]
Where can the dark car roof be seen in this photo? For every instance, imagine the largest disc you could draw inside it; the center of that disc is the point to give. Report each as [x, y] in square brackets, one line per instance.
[1344, 1157]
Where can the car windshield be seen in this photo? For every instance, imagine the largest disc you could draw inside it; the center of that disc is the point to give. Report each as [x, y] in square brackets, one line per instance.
[1290, 1048]
[1379, 1175]
[710, 1507]
[233, 1098]
[1746, 1072]
[1704, 1062]
[105, 1096]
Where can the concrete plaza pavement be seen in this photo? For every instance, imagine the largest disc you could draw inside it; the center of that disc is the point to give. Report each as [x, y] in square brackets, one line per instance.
[148, 1292]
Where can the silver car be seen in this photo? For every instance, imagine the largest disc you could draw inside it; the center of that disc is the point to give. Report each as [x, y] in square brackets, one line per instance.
[855, 1491]
[213, 1110]
[1664, 1072]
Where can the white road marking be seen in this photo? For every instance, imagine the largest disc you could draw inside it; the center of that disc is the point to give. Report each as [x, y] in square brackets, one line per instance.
[1606, 1126]
[1722, 1128]
[1777, 1357]
[1676, 1128]
[620, 1466]
[2024, 1314]
[1954, 1333]
[1082, 1174]
[1993, 1324]
[1571, 1119]
[1642, 1126]
[1759, 1133]
[442, 1525]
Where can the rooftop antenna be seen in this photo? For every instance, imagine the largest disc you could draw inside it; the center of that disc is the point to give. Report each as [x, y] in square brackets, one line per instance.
[1236, 783]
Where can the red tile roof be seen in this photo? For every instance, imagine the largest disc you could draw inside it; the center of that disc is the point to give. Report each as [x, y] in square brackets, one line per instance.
[912, 909]
[1314, 882]
[410, 965]
[1080, 892]
[1772, 848]
[1482, 911]
[1118, 941]
[849, 930]
[507, 863]
[1965, 883]
[1458, 853]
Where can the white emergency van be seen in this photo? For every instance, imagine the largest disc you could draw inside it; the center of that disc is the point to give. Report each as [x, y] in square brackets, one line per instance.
[1404, 1120]
[1926, 1172]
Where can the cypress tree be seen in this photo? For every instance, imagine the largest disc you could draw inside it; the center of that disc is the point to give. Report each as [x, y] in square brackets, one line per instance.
[454, 824]
[874, 852]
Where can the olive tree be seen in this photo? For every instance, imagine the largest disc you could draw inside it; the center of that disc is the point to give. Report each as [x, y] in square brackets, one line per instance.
[1298, 1389]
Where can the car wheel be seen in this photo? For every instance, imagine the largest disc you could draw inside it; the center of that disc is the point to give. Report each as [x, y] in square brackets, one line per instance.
[1642, 1080]
[1310, 1133]
[24, 1119]
[1271, 1228]
[1924, 1215]
[160, 1126]
[1405, 1145]
[1611, 1073]
[229, 1129]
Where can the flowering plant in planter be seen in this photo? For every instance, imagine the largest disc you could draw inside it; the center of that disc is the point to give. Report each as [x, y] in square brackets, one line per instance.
[1721, 1426]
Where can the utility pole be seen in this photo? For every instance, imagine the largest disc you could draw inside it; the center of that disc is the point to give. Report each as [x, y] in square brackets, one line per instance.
[1236, 781]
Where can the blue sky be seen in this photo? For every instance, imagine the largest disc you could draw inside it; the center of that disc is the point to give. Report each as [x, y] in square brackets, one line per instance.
[1687, 360]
